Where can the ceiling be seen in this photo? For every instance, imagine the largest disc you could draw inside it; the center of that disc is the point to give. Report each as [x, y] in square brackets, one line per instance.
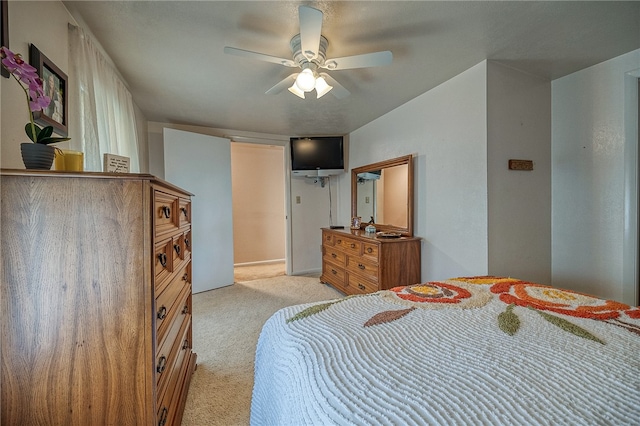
[171, 53]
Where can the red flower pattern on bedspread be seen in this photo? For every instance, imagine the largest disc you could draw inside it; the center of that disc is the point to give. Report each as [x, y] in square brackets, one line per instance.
[476, 292]
[566, 302]
[432, 292]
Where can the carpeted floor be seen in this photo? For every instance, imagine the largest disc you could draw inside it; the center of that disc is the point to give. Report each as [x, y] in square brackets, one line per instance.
[226, 325]
[256, 272]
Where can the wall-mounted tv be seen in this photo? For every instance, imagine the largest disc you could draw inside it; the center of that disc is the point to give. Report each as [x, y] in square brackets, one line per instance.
[317, 156]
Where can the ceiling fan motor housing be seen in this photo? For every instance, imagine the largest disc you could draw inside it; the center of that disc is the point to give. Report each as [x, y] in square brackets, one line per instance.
[301, 59]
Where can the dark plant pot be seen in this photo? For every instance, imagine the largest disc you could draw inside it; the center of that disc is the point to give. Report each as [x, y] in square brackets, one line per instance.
[37, 156]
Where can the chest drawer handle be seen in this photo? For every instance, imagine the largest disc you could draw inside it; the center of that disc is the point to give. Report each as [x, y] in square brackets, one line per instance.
[162, 313]
[334, 272]
[334, 255]
[162, 364]
[163, 416]
[176, 247]
[361, 266]
[353, 245]
[184, 211]
[187, 243]
[369, 250]
[361, 287]
[185, 310]
[185, 345]
[185, 277]
[162, 257]
[166, 211]
[339, 241]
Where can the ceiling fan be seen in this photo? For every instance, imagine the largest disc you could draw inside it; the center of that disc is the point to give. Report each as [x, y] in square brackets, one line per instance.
[309, 54]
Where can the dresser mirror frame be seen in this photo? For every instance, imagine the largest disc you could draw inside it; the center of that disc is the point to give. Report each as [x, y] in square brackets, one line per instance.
[377, 168]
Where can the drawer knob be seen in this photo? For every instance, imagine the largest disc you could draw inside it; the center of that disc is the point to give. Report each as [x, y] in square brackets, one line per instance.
[361, 287]
[162, 420]
[176, 247]
[353, 245]
[334, 272]
[185, 345]
[162, 257]
[166, 211]
[369, 250]
[339, 241]
[162, 364]
[184, 211]
[185, 277]
[162, 313]
[361, 266]
[187, 243]
[185, 310]
[334, 255]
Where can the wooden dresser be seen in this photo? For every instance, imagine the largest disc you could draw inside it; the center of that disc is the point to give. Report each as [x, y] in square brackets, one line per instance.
[95, 299]
[356, 262]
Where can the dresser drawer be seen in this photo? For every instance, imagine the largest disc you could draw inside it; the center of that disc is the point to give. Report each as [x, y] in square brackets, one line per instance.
[179, 249]
[334, 256]
[184, 212]
[166, 208]
[332, 274]
[169, 401]
[349, 245]
[187, 243]
[359, 284]
[167, 300]
[328, 239]
[163, 262]
[362, 267]
[167, 349]
[370, 251]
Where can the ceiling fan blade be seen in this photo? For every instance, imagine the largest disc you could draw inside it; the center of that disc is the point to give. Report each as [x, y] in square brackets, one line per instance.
[310, 29]
[284, 84]
[338, 90]
[259, 56]
[365, 60]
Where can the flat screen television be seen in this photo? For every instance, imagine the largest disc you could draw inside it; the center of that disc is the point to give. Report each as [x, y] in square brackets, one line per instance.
[317, 156]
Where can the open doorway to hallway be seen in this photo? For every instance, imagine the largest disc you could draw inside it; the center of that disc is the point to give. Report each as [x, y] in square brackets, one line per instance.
[259, 217]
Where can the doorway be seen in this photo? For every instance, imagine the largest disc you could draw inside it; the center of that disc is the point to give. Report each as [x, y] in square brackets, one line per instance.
[258, 194]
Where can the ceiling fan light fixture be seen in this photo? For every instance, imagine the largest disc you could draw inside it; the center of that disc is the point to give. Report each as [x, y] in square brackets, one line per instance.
[306, 80]
[322, 88]
[296, 91]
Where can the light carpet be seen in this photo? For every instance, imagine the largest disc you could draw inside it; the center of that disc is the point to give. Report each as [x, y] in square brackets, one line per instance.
[259, 271]
[226, 325]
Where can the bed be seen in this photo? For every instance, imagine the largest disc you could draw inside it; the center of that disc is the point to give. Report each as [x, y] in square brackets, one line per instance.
[464, 351]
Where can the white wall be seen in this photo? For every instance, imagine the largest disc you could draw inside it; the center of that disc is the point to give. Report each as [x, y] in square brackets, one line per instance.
[312, 213]
[588, 134]
[446, 130]
[519, 202]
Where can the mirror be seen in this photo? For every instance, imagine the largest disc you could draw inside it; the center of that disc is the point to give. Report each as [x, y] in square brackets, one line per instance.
[384, 192]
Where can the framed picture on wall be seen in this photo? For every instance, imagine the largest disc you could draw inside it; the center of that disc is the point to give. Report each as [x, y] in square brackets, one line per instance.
[4, 30]
[55, 87]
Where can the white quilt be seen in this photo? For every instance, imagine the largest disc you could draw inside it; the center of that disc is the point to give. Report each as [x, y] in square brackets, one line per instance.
[466, 351]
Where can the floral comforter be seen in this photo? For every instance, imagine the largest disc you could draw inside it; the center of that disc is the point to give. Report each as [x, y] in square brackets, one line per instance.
[465, 351]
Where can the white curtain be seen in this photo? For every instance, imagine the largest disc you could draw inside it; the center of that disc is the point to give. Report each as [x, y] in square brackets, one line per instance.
[104, 118]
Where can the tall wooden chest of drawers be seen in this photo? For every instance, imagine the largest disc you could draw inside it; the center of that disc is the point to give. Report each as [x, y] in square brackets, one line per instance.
[95, 299]
[355, 262]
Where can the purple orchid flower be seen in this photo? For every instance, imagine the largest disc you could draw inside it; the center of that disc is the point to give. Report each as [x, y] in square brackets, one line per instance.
[28, 79]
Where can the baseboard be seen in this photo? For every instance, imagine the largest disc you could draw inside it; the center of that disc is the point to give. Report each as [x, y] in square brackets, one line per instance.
[259, 263]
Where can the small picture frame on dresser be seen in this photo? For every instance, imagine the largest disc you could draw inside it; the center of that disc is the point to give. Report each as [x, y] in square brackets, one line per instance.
[356, 221]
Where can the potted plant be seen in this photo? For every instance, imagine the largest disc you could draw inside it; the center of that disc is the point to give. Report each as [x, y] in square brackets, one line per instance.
[36, 154]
